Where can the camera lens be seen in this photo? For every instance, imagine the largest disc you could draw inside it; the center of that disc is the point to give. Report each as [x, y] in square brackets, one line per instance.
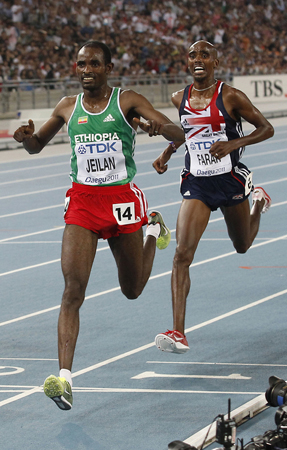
[276, 394]
[281, 415]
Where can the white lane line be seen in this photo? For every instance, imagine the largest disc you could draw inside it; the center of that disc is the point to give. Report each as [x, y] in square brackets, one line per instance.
[11, 386]
[27, 389]
[272, 182]
[29, 267]
[265, 183]
[61, 205]
[41, 191]
[41, 242]
[35, 233]
[265, 166]
[10, 370]
[54, 308]
[232, 376]
[20, 396]
[137, 153]
[196, 327]
[28, 211]
[39, 265]
[215, 363]
[236, 311]
[171, 391]
[11, 390]
[147, 346]
[28, 316]
[25, 180]
[108, 291]
[224, 255]
[106, 248]
[29, 359]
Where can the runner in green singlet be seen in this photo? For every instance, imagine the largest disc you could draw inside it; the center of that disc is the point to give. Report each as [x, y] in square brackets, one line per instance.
[103, 201]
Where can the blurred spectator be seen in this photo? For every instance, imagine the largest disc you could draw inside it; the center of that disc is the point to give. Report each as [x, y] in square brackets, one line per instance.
[145, 36]
[17, 11]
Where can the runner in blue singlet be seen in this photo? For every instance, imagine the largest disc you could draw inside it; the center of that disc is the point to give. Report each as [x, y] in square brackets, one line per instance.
[213, 177]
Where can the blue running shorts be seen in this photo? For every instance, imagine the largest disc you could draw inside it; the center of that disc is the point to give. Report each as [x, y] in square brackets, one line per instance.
[220, 190]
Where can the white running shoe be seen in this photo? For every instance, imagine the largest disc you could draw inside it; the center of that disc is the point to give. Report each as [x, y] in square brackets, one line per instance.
[172, 342]
[259, 194]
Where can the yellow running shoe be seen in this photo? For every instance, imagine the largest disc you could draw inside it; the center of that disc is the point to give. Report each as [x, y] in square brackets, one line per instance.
[60, 391]
[164, 238]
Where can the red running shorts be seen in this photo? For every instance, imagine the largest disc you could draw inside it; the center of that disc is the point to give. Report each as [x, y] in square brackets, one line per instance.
[106, 210]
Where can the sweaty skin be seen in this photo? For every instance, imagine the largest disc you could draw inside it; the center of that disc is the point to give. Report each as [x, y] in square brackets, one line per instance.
[194, 215]
[133, 258]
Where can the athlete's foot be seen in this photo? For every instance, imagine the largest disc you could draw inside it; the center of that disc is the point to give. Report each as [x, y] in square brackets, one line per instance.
[258, 195]
[164, 238]
[172, 342]
[59, 390]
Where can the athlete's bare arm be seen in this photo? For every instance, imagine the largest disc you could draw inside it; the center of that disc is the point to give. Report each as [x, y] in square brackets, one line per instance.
[157, 123]
[160, 164]
[176, 98]
[35, 142]
[237, 104]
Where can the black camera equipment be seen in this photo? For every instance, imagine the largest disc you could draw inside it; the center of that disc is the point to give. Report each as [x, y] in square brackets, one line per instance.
[226, 430]
[179, 445]
[276, 395]
[225, 433]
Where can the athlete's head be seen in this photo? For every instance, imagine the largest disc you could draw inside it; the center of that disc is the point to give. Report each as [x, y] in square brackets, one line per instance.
[202, 59]
[98, 44]
[94, 65]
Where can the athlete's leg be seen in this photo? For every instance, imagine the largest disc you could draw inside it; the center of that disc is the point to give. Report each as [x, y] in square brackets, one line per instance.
[242, 225]
[134, 261]
[78, 252]
[192, 220]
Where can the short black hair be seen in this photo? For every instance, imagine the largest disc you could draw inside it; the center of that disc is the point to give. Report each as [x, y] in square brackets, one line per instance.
[98, 44]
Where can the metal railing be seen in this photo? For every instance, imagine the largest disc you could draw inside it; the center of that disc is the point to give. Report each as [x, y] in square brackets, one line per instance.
[37, 94]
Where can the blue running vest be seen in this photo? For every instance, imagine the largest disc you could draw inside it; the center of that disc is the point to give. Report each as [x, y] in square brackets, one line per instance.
[204, 127]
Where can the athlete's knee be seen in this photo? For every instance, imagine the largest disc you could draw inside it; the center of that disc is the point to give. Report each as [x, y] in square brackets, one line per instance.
[183, 255]
[241, 247]
[130, 292]
[74, 294]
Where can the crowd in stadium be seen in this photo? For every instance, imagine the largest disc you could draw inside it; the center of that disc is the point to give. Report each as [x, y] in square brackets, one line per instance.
[39, 40]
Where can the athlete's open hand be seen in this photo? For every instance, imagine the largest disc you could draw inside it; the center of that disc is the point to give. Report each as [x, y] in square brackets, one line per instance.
[24, 132]
[151, 127]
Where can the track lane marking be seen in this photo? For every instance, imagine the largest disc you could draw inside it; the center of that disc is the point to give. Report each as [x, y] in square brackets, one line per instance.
[151, 374]
[108, 291]
[148, 346]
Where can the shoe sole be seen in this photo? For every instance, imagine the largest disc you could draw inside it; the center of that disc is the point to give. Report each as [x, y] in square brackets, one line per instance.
[166, 344]
[267, 199]
[268, 202]
[54, 390]
[62, 403]
[163, 241]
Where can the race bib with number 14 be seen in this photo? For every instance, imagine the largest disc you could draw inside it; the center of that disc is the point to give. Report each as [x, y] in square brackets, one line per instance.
[124, 213]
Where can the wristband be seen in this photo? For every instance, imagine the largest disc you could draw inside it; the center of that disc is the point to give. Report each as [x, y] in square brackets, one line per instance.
[173, 147]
